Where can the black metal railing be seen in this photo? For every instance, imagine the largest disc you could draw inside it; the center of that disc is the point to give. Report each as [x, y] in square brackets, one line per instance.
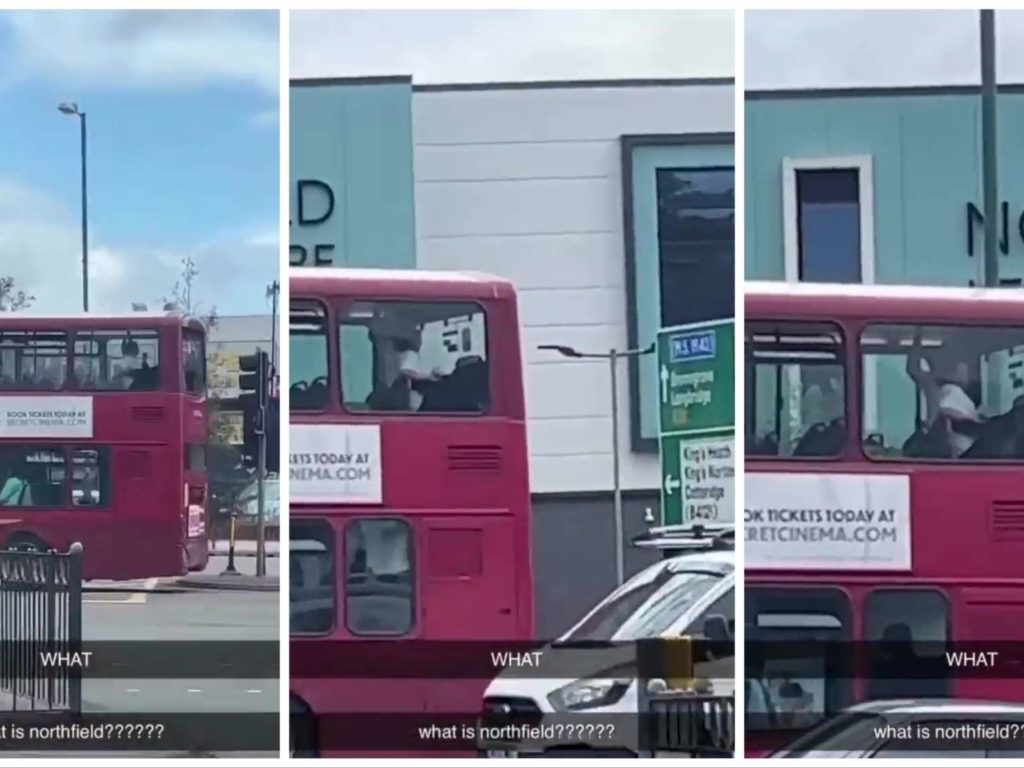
[698, 725]
[40, 630]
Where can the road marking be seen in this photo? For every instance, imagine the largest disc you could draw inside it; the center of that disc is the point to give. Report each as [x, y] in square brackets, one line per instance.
[194, 690]
[132, 690]
[136, 597]
[254, 690]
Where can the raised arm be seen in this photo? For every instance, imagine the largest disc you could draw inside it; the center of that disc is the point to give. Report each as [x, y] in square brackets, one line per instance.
[923, 378]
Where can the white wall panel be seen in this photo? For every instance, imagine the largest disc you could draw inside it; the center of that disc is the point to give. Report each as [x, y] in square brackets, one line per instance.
[526, 183]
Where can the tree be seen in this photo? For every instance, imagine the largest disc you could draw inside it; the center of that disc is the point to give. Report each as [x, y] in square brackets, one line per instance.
[226, 475]
[13, 299]
[184, 295]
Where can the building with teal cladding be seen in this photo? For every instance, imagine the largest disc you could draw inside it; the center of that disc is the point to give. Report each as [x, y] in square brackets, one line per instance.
[610, 206]
[903, 204]
[879, 186]
[351, 188]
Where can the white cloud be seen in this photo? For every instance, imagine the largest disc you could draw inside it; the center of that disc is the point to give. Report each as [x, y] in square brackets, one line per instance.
[40, 246]
[268, 118]
[834, 49]
[147, 48]
[479, 46]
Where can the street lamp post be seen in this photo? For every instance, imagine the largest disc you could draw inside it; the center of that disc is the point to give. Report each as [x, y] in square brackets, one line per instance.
[990, 186]
[612, 356]
[71, 108]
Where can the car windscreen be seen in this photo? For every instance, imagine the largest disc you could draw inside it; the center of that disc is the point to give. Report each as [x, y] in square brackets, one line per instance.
[834, 737]
[645, 606]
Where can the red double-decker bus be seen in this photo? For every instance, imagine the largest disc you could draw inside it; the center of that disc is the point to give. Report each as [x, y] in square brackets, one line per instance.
[103, 433]
[409, 493]
[884, 494]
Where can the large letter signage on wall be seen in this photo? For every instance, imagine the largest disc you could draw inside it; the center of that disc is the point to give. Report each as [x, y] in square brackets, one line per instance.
[314, 205]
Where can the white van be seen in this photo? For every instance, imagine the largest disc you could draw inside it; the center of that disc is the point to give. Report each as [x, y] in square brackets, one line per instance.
[684, 595]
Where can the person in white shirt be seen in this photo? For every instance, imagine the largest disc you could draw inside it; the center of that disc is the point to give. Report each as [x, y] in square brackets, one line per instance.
[944, 383]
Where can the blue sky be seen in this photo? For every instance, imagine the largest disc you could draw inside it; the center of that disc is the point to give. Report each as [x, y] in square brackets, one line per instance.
[183, 155]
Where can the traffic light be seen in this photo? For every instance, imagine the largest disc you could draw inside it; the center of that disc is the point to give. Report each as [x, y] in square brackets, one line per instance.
[254, 383]
[274, 435]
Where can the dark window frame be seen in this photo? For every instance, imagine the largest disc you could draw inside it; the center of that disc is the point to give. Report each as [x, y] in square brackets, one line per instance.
[662, 242]
[341, 308]
[750, 388]
[187, 334]
[862, 399]
[328, 335]
[797, 173]
[913, 590]
[628, 144]
[68, 355]
[86, 335]
[413, 576]
[106, 479]
[332, 554]
[64, 450]
[845, 694]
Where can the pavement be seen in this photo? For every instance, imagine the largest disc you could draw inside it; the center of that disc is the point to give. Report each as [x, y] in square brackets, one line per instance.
[214, 576]
[244, 548]
[165, 610]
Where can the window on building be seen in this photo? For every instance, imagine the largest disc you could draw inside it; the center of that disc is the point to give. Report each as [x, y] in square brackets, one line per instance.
[427, 357]
[193, 359]
[90, 477]
[829, 219]
[311, 582]
[33, 359]
[795, 389]
[307, 344]
[32, 476]
[117, 360]
[906, 631]
[379, 586]
[696, 241]
[828, 212]
[943, 392]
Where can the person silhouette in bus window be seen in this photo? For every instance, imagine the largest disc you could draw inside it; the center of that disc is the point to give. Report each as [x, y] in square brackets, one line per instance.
[403, 377]
[944, 379]
[15, 491]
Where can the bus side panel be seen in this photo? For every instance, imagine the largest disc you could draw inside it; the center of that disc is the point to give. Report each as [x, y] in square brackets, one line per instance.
[469, 591]
[148, 539]
[993, 620]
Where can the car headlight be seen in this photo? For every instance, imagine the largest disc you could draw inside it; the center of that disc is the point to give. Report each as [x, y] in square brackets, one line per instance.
[589, 693]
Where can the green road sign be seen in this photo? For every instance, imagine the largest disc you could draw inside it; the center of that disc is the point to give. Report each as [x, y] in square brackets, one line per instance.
[696, 382]
[697, 479]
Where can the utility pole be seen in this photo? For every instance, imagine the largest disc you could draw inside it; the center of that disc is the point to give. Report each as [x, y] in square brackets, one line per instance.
[988, 146]
[273, 291]
[612, 356]
[261, 465]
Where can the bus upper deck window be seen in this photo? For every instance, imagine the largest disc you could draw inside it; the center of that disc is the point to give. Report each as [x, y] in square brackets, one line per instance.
[942, 392]
[33, 359]
[796, 405]
[127, 359]
[424, 357]
[193, 361]
[307, 343]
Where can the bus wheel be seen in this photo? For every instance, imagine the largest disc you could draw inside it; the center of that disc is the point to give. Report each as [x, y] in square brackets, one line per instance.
[26, 542]
[302, 731]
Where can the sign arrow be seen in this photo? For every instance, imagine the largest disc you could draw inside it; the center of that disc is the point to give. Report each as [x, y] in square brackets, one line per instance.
[664, 384]
[671, 484]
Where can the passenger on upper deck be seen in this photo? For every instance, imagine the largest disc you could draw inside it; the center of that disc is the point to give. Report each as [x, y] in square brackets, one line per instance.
[398, 341]
[945, 379]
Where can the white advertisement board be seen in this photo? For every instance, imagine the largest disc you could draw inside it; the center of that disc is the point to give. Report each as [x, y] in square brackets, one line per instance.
[812, 521]
[57, 416]
[335, 463]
